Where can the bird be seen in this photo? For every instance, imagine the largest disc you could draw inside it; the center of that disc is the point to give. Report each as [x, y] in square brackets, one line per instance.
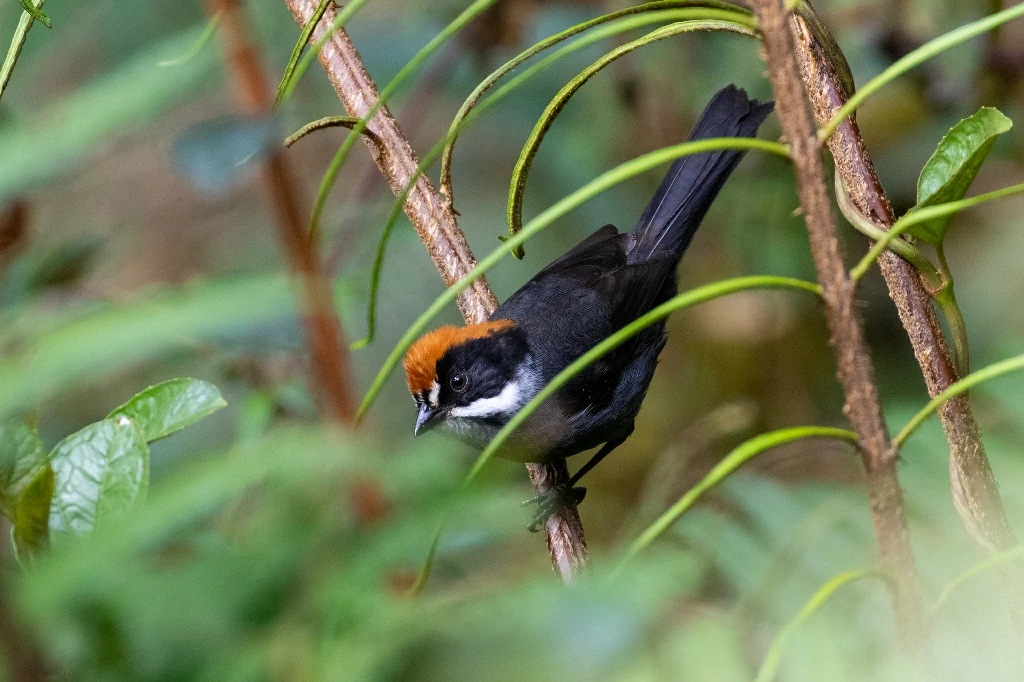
[472, 380]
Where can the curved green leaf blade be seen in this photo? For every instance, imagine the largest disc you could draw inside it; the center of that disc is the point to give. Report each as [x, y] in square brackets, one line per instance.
[22, 456]
[99, 473]
[165, 408]
[949, 172]
[36, 13]
[32, 515]
[772, 659]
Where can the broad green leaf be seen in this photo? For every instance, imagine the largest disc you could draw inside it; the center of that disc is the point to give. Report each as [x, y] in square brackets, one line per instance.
[163, 409]
[99, 473]
[32, 515]
[22, 456]
[949, 172]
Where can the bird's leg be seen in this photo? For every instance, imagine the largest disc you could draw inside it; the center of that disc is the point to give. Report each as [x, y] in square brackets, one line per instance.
[549, 502]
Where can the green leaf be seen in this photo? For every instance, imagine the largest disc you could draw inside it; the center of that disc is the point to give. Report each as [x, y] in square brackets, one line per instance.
[31, 518]
[919, 56]
[22, 456]
[172, 405]
[949, 172]
[771, 660]
[703, 20]
[36, 13]
[99, 473]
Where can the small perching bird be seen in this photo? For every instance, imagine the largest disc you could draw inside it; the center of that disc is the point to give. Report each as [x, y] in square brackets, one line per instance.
[471, 380]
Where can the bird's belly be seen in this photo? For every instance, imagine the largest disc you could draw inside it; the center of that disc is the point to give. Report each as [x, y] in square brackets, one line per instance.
[536, 440]
[479, 435]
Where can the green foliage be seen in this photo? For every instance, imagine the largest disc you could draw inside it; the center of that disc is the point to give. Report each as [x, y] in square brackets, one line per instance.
[426, 52]
[254, 556]
[31, 519]
[56, 354]
[28, 17]
[949, 172]
[293, 72]
[729, 464]
[196, 47]
[286, 86]
[165, 408]
[769, 667]
[301, 588]
[22, 457]
[96, 474]
[625, 20]
[995, 561]
[654, 11]
[56, 138]
[943, 182]
[917, 57]
[99, 473]
[703, 20]
[34, 9]
[349, 122]
[993, 371]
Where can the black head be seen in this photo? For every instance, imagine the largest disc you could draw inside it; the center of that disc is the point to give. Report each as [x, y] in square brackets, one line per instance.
[458, 375]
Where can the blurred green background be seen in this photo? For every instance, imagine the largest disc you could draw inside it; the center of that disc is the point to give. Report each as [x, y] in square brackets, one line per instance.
[140, 256]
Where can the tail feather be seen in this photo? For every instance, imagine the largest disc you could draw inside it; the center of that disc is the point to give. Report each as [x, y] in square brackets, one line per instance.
[692, 183]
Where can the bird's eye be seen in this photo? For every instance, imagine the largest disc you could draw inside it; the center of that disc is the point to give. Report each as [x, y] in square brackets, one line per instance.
[459, 382]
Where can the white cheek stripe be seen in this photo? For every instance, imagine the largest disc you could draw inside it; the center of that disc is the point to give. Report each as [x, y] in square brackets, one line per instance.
[435, 392]
[507, 401]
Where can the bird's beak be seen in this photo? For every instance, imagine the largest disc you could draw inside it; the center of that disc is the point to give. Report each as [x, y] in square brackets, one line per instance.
[426, 419]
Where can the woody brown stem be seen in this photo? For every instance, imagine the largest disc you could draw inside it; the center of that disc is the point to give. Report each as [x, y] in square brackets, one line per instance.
[439, 231]
[827, 81]
[329, 372]
[853, 358]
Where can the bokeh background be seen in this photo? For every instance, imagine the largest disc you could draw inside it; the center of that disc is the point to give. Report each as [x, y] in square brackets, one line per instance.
[135, 250]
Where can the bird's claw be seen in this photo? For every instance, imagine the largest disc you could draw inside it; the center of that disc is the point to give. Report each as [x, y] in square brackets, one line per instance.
[551, 502]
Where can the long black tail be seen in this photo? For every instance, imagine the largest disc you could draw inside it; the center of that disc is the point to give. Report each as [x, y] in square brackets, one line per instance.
[692, 183]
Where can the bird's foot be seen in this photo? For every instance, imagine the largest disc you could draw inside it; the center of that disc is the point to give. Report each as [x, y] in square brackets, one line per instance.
[551, 502]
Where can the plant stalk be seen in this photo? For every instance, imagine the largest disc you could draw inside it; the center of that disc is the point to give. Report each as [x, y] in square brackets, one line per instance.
[828, 82]
[437, 228]
[853, 357]
[17, 43]
[329, 365]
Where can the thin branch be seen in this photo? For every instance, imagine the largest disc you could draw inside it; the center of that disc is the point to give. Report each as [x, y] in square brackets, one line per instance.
[827, 80]
[853, 357]
[438, 230]
[329, 373]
